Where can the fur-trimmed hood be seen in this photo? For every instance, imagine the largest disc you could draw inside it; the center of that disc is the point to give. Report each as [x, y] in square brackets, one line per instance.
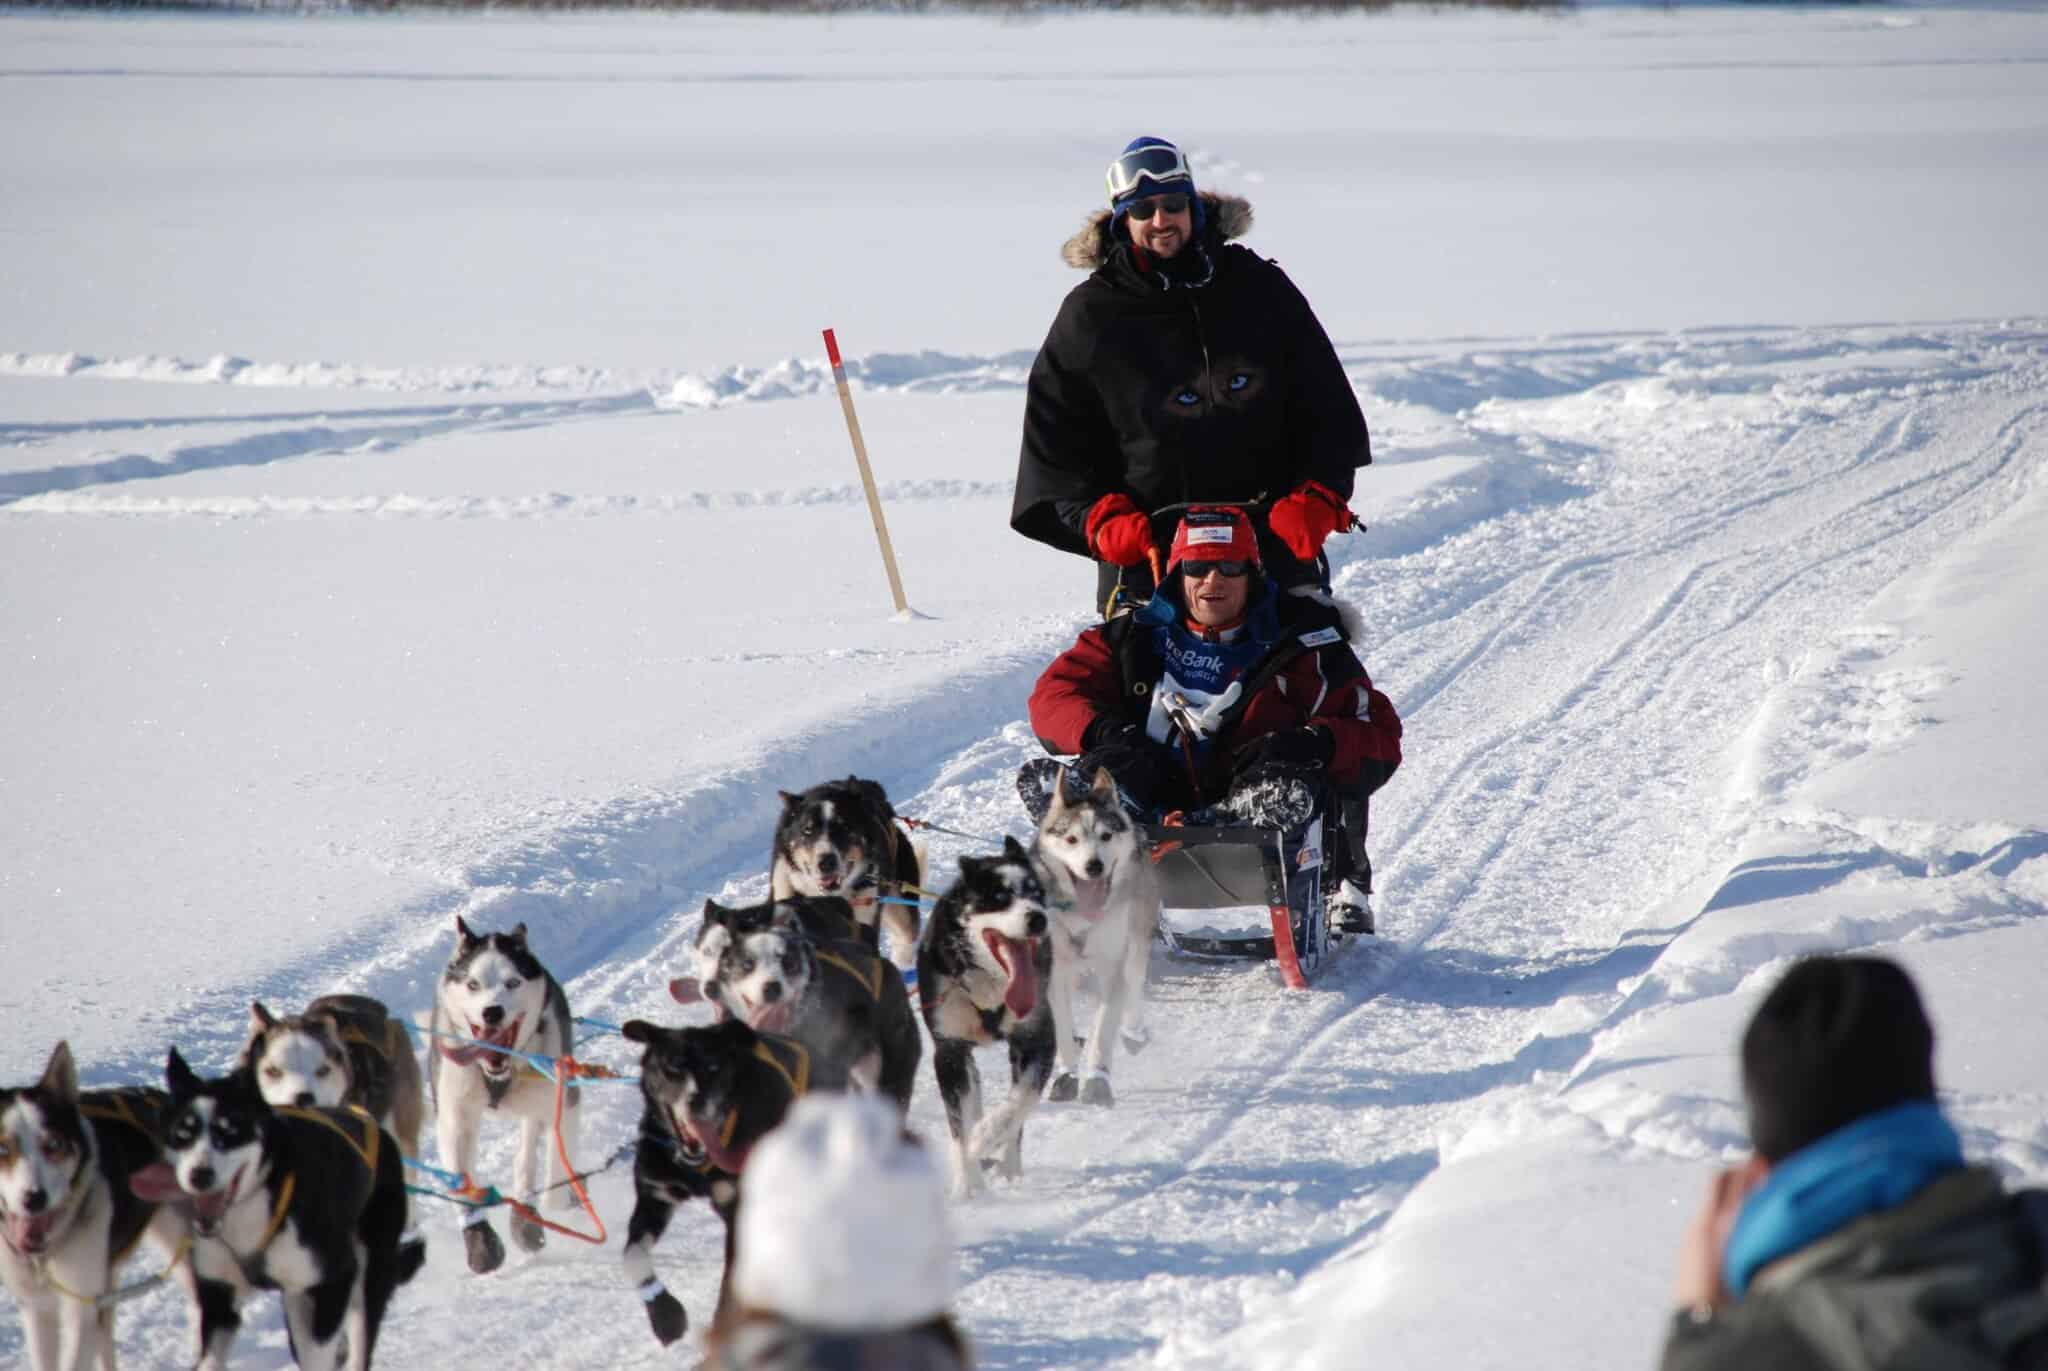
[1229, 216]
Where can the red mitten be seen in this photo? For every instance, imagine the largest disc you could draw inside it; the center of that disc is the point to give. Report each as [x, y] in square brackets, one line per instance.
[1119, 533]
[1303, 519]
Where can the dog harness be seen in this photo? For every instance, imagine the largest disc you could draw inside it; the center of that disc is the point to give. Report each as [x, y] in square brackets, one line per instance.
[869, 980]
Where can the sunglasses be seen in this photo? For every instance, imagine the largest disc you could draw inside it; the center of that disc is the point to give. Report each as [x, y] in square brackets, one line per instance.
[1195, 571]
[1171, 204]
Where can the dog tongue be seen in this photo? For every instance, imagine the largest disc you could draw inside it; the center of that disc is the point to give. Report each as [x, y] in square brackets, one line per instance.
[1022, 995]
[770, 1018]
[1090, 895]
[154, 1183]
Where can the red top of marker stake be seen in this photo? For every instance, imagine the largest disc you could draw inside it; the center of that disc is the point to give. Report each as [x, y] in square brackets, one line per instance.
[832, 349]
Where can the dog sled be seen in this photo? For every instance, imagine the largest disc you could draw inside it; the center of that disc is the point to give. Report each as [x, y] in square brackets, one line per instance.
[1212, 870]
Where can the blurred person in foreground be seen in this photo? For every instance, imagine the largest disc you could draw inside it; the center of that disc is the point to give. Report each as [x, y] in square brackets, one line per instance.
[1856, 1236]
[844, 1255]
[1186, 368]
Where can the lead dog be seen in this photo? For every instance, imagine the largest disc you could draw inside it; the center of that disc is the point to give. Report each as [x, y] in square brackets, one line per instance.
[68, 1219]
[495, 992]
[769, 965]
[344, 1049]
[841, 838]
[1104, 897]
[307, 1202]
[707, 1096]
[980, 970]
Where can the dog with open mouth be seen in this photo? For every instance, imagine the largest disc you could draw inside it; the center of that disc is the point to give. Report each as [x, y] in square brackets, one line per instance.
[307, 1202]
[795, 968]
[981, 973]
[1104, 897]
[343, 1050]
[496, 1008]
[68, 1218]
[707, 1096]
[842, 838]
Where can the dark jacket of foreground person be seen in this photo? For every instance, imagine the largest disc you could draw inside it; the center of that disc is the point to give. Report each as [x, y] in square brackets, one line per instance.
[1951, 1280]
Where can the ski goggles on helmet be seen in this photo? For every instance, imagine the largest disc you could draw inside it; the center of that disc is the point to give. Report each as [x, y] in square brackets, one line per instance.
[1231, 570]
[1160, 163]
[1141, 210]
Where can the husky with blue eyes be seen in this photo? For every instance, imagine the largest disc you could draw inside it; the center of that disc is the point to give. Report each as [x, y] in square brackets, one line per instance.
[68, 1219]
[982, 973]
[495, 1010]
[307, 1202]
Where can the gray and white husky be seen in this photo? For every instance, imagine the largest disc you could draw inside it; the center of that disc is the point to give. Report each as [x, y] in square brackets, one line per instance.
[344, 1050]
[495, 992]
[1104, 898]
[68, 1218]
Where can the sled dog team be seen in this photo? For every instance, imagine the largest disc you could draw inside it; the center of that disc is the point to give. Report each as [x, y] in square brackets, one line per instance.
[287, 1173]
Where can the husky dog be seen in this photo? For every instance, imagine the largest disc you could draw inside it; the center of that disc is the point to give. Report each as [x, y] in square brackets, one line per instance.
[841, 838]
[1105, 898]
[67, 1216]
[345, 1049]
[707, 1096]
[495, 991]
[834, 994]
[984, 958]
[306, 1202]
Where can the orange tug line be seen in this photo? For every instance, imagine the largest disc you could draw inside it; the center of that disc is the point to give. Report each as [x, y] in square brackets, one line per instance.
[566, 1069]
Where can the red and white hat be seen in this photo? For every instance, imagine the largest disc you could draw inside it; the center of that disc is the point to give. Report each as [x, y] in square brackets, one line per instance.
[1214, 533]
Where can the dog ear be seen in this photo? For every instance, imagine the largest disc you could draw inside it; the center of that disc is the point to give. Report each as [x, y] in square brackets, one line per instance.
[715, 913]
[1105, 785]
[638, 1031]
[1012, 849]
[463, 936]
[261, 1020]
[789, 801]
[180, 1077]
[60, 1077]
[1059, 794]
[518, 933]
[873, 794]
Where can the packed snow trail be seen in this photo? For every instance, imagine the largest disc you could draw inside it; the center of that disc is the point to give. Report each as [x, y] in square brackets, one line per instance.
[1635, 543]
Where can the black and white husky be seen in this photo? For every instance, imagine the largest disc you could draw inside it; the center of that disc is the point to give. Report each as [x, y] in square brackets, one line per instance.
[68, 1218]
[345, 1049]
[495, 992]
[306, 1202]
[981, 970]
[842, 838]
[707, 1096]
[1104, 897]
[830, 991]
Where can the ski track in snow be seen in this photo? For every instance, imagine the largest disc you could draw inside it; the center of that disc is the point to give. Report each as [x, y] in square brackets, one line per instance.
[1558, 612]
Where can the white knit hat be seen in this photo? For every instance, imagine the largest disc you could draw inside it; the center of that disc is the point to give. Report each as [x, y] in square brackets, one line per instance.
[843, 1222]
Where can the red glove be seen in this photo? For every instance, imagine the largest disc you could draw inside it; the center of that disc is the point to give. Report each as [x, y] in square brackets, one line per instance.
[1303, 519]
[1119, 533]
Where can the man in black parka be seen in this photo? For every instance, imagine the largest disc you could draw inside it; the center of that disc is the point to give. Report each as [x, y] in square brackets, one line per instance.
[1185, 368]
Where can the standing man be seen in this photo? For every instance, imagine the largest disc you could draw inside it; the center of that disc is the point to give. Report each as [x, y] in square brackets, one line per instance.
[1856, 1236]
[1185, 368]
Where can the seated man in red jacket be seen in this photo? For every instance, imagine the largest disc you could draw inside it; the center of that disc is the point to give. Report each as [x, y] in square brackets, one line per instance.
[1222, 698]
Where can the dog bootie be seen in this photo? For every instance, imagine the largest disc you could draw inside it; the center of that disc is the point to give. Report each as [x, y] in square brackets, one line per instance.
[1351, 908]
[529, 1235]
[1095, 1090]
[1065, 1088]
[483, 1247]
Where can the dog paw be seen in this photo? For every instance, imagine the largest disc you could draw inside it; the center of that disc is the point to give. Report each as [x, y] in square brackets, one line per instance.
[484, 1248]
[412, 1255]
[1135, 1039]
[667, 1317]
[1095, 1090]
[530, 1236]
[1064, 1088]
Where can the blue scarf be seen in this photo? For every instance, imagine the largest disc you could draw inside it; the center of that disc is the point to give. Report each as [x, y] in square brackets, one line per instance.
[1879, 1162]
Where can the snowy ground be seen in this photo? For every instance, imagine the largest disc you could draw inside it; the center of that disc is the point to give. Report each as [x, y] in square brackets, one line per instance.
[421, 493]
